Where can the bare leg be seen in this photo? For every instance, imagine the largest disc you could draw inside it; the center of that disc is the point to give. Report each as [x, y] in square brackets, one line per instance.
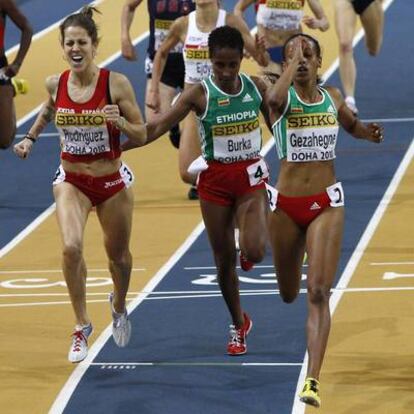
[372, 20]
[345, 22]
[219, 225]
[323, 245]
[251, 217]
[288, 247]
[7, 116]
[72, 209]
[115, 216]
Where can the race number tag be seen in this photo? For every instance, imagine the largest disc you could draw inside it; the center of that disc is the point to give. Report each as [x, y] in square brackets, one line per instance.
[336, 195]
[59, 176]
[257, 172]
[127, 175]
[148, 65]
[272, 195]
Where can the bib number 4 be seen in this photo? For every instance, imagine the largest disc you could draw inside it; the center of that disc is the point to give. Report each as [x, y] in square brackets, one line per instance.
[257, 172]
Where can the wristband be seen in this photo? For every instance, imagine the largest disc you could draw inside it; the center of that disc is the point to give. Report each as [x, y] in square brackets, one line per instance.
[30, 137]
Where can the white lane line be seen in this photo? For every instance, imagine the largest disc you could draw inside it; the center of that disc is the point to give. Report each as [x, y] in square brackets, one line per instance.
[390, 120]
[6, 272]
[394, 275]
[26, 231]
[207, 295]
[390, 263]
[118, 366]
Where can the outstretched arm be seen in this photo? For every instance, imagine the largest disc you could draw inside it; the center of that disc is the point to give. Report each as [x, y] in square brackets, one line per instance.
[371, 132]
[20, 20]
[127, 17]
[241, 6]
[46, 114]
[192, 99]
[255, 46]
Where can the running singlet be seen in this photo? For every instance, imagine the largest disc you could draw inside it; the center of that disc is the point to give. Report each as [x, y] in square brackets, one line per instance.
[280, 14]
[84, 133]
[307, 132]
[162, 15]
[229, 128]
[195, 52]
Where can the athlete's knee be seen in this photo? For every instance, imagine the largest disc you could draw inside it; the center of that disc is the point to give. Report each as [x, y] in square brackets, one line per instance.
[4, 144]
[6, 139]
[345, 48]
[318, 295]
[255, 253]
[288, 296]
[121, 258]
[72, 253]
[374, 47]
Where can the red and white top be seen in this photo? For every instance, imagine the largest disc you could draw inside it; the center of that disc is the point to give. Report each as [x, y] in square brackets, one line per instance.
[85, 134]
[280, 14]
[195, 51]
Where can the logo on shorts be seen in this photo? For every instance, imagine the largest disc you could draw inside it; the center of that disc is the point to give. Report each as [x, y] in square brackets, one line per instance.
[315, 206]
[110, 184]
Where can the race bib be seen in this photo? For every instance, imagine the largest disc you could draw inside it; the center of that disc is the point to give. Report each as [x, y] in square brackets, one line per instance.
[257, 172]
[336, 195]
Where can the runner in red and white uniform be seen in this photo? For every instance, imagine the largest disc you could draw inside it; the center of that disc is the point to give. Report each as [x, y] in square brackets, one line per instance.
[277, 20]
[91, 107]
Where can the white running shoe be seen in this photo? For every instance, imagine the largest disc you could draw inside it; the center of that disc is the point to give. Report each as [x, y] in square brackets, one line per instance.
[121, 325]
[79, 348]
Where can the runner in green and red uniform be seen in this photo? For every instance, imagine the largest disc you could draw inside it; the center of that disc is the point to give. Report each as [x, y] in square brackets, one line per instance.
[308, 203]
[231, 183]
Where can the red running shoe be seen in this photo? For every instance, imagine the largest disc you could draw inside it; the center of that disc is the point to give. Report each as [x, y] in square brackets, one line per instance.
[245, 264]
[237, 344]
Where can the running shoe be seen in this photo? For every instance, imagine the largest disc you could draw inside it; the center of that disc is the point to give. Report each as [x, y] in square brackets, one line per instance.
[237, 344]
[310, 393]
[245, 264]
[121, 325]
[350, 103]
[79, 347]
[21, 86]
[193, 193]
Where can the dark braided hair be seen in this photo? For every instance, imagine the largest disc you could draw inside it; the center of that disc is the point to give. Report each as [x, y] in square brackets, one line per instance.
[225, 36]
[82, 19]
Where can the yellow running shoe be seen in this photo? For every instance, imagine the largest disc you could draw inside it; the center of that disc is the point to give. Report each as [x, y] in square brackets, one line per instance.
[310, 393]
[21, 86]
